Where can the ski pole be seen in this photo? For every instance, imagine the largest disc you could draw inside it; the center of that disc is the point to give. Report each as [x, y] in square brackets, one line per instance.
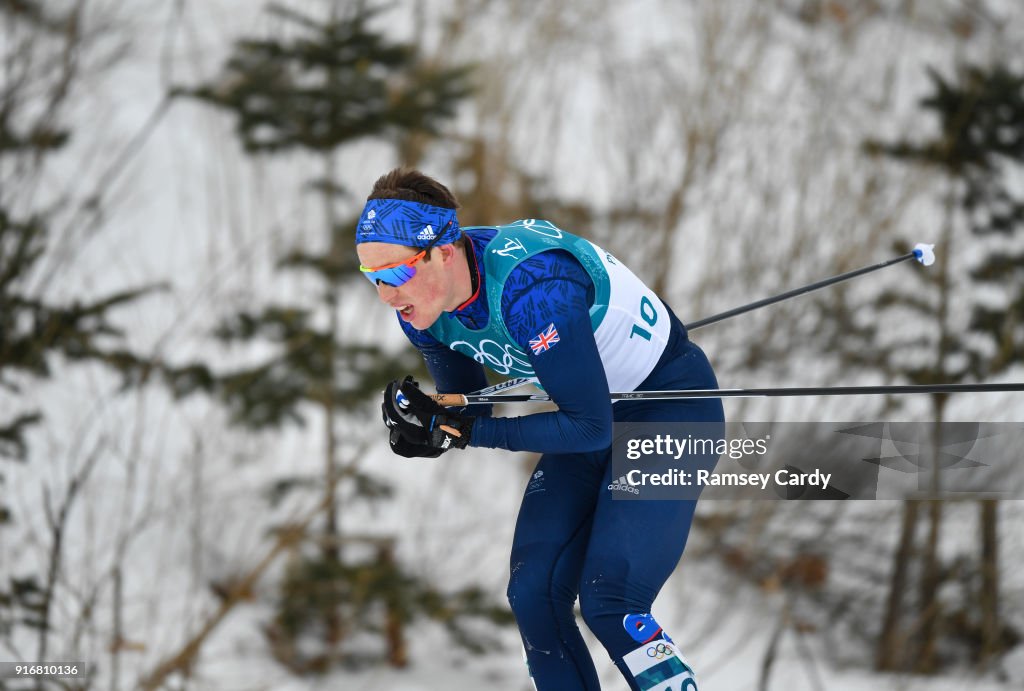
[923, 253]
[457, 399]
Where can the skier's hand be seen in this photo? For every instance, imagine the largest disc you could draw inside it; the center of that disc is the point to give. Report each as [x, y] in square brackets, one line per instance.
[403, 447]
[420, 420]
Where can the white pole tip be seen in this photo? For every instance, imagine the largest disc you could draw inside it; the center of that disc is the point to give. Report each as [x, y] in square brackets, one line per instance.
[925, 253]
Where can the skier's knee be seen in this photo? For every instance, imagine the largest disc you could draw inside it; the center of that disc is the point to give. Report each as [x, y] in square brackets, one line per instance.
[602, 611]
[527, 591]
[596, 612]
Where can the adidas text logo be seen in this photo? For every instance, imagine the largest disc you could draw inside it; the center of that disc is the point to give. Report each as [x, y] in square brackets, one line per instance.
[623, 486]
[426, 234]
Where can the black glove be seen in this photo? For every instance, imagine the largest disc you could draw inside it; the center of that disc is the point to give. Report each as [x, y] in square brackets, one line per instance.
[403, 447]
[420, 420]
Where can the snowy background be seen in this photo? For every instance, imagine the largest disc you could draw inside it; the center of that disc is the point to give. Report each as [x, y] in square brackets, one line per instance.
[718, 146]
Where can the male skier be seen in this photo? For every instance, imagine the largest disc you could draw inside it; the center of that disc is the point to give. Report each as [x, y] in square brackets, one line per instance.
[528, 299]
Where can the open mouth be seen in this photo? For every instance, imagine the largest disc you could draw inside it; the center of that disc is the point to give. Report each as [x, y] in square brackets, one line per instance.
[404, 310]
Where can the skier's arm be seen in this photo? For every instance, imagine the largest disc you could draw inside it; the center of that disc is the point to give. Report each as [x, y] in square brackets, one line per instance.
[553, 289]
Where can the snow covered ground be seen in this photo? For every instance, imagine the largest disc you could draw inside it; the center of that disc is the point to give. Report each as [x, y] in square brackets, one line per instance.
[723, 628]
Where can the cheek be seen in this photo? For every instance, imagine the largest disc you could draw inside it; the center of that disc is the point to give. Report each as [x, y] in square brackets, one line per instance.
[428, 288]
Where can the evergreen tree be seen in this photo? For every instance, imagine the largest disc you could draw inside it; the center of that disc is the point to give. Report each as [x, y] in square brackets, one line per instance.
[324, 84]
[41, 336]
[979, 146]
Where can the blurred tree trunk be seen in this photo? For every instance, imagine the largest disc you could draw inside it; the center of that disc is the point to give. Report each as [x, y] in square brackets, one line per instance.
[929, 607]
[988, 598]
[331, 546]
[395, 617]
[892, 640]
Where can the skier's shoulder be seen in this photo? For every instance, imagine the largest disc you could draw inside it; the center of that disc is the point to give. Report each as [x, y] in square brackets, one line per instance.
[548, 286]
[548, 275]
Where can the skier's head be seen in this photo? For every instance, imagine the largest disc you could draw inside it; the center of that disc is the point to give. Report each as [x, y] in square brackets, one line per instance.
[409, 208]
[409, 217]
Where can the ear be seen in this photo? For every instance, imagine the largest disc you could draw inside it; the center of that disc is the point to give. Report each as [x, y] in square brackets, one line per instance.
[448, 253]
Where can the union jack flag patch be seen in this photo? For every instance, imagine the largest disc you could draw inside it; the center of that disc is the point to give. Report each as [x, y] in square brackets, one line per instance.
[544, 340]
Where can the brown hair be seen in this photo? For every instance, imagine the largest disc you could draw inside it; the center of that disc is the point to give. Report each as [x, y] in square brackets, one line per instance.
[410, 185]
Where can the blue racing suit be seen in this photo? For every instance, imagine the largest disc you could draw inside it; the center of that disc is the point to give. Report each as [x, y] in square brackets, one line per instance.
[572, 316]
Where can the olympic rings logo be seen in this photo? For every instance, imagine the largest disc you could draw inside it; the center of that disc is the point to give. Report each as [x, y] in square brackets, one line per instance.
[502, 359]
[660, 651]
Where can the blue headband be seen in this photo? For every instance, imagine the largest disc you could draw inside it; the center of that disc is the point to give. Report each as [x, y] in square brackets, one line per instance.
[406, 223]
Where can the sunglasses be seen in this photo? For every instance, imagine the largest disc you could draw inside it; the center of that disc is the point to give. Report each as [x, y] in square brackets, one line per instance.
[398, 273]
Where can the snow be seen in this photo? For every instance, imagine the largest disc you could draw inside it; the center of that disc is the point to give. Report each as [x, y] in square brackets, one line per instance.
[175, 499]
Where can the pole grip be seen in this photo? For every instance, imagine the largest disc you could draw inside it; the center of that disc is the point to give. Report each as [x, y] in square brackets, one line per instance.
[454, 400]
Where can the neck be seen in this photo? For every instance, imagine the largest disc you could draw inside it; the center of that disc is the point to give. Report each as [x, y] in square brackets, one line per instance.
[464, 285]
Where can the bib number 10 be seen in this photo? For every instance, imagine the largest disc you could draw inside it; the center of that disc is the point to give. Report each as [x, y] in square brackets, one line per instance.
[649, 315]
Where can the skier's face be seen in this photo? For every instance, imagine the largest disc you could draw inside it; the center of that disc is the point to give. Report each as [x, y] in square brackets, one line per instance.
[422, 298]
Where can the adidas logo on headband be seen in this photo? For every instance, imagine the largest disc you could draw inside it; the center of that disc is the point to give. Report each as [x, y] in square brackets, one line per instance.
[406, 223]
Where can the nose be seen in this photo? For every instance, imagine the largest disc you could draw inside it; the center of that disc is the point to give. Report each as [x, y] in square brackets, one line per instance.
[386, 292]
